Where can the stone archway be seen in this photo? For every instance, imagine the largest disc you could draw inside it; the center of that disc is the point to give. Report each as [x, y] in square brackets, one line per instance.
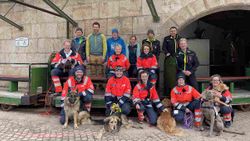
[200, 8]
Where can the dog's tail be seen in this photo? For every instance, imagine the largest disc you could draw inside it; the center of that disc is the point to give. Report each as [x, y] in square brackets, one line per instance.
[177, 132]
[234, 132]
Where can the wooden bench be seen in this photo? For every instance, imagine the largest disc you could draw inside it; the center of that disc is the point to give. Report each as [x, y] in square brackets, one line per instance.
[14, 79]
[230, 79]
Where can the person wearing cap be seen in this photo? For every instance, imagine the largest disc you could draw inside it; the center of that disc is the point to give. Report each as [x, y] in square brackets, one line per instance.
[117, 59]
[187, 63]
[145, 97]
[133, 51]
[96, 48]
[118, 90]
[186, 99]
[225, 96]
[170, 47]
[60, 61]
[154, 43]
[83, 86]
[78, 43]
[113, 41]
[147, 61]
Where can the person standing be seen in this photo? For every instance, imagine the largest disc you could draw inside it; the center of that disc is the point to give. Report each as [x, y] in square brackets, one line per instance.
[154, 43]
[187, 63]
[78, 43]
[96, 48]
[133, 51]
[113, 41]
[170, 48]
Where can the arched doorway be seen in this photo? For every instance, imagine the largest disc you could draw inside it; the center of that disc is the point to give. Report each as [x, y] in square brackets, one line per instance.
[228, 33]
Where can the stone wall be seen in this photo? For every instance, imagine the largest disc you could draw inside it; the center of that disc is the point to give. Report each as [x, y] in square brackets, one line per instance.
[46, 32]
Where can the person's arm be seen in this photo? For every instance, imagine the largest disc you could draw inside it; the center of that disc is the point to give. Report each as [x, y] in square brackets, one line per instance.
[155, 99]
[154, 63]
[226, 97]
[127, 64]
[87, 46]
[104, 43]
[139, 64]
[195, 93]
[138, 50]
[123, 47]
[158, 48]
[89, 86]
[177, 105]
[127, 92]
[195, 64]
[165, 46]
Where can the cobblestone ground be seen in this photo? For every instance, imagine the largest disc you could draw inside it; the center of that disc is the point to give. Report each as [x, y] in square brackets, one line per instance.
[25, 124]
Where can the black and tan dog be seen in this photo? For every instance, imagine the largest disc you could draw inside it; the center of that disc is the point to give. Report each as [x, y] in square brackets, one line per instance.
[71, 108]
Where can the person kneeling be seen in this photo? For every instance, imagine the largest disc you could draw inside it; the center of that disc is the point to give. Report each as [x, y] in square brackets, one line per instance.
[83, 86]
[186, 100]
[144, 96]
[118, 91]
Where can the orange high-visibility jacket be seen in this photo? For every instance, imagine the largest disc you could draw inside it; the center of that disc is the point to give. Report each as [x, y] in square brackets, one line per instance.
[61, 55]
[118, 60]
[147, 63]
[118, 86]
[72, 85]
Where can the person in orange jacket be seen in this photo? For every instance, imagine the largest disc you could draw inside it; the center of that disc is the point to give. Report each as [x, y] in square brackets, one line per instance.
[118, 90]
[144, 97]
[83, 86]
[117, 59]
[226, 97]
[147, 61]
[60, 59]
[186, 99]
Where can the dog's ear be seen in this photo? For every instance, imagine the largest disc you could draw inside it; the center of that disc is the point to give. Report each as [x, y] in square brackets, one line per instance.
[118, 119]
[107, 119]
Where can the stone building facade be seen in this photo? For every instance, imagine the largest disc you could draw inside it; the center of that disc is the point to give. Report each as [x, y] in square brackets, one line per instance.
[46, 32]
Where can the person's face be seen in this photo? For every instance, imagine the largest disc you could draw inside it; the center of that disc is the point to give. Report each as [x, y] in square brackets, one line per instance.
[181, 82]
[114, 35]
[173, 32]
[78, 33]
[79, 74]
[118, 73]
[66, 46]
[132, 40]
[183, 45]
[215, 81]
[144, 78]
[96, 28]
[146, 49]
[118, 50]
[150, 35]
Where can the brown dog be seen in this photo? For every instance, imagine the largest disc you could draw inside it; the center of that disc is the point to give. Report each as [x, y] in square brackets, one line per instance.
[166, 122]
[71, 108]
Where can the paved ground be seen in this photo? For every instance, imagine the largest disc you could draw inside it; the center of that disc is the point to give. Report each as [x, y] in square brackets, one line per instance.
[29, 124]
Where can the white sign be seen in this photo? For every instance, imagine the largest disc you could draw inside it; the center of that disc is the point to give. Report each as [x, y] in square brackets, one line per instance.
[22, 42]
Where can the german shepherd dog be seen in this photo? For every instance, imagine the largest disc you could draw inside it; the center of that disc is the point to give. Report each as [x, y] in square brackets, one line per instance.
[166, 122]
[71, 108]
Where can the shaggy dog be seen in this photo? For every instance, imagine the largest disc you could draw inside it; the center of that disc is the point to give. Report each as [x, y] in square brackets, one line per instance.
[210, 113]
[166, 122]
[71, 108]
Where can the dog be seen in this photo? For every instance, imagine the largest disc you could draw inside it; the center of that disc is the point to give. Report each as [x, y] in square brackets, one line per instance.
[166, 122]
[71, 108]
[84, 118]
[210, 113]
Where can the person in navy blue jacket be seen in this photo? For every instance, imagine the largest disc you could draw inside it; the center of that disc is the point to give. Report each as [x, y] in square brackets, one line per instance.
[113, 41]
[187, 63]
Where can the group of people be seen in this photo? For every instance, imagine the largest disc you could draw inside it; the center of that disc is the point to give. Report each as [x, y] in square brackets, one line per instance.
[133, 60]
